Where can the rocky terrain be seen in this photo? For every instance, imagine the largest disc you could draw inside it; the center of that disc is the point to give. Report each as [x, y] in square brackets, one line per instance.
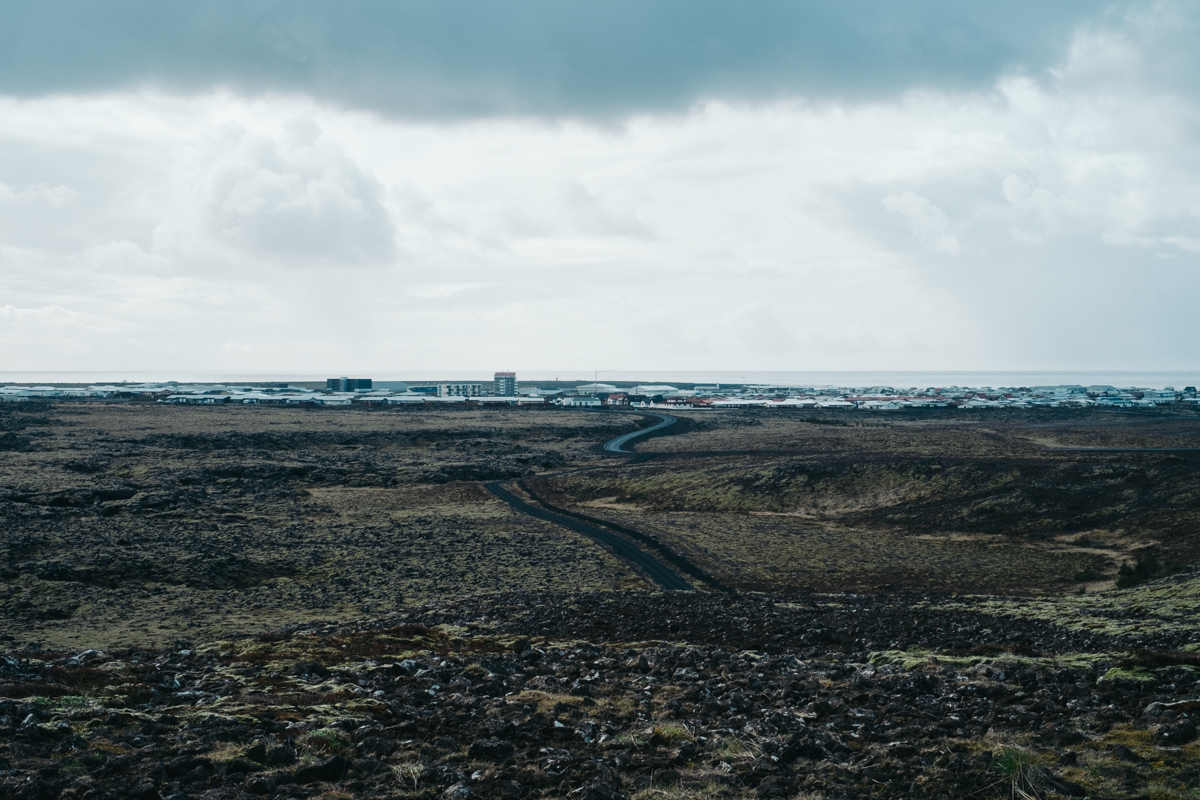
[138, 524]
[604, 696]
[1016, 502]
[237, 603]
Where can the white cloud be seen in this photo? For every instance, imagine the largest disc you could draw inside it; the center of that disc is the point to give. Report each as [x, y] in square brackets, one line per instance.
[51, 195]
[1033, 204]
[44, 317]
[929, 224]
[592, 217]
[31, 336]
[292, 198]
[124, 256]
[757, 329]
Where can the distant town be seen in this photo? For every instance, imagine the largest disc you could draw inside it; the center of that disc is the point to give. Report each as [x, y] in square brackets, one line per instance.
[505, 389]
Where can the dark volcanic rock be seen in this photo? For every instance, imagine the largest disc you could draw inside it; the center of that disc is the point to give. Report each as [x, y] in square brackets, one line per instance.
[1178, 734]
[281, 756]
[491, 749]
[377, 746]
[143, 791]
[257, 753]
[262, 784]
[333, 768]
[185, 764]
[241, 765]
[525, 704]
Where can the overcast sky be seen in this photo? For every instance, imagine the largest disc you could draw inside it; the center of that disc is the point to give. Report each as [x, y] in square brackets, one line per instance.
[543, 184]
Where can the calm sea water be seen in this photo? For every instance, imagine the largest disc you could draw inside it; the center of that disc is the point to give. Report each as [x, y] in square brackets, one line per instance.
[903, 380]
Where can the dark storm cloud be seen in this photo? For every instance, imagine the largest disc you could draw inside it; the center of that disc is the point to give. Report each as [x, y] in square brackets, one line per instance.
[464, 58]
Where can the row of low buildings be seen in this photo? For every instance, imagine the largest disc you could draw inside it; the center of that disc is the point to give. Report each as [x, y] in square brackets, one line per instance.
[504, 389]
[886, 398]
[879, 398]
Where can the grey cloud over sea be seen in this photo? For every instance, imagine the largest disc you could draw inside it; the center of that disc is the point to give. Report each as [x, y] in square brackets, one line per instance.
[478, 58]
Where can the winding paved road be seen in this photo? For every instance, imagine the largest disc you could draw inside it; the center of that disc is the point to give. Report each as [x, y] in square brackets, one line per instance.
[650, 565]
[617, 445]
[656, 570]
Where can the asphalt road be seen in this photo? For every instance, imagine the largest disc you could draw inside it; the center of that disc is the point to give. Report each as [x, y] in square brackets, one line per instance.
[617, 445]
[650, 565]
[656, 570]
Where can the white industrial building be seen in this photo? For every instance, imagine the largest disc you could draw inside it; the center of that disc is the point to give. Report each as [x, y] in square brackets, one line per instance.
[580, 402]
[460, 389]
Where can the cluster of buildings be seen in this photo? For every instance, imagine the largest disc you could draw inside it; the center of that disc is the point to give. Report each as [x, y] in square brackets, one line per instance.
[337, 392]
[886, 398]
[504, 389]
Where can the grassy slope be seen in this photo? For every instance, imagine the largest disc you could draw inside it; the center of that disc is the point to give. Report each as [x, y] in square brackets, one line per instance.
[946, 503]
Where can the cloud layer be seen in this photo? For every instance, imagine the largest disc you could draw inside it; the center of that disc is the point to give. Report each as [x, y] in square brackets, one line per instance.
[285, 194]
[472, 58]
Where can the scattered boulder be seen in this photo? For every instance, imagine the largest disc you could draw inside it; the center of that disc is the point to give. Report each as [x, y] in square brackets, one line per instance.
[1177, 706]
[281, 756]
[1181, 733]
[1061, 785]
[310, 668]
[441, 775]
[491, 750]
[262, 784]
[185, 764]
[378, 746]
[333, 768]
[1125, 754]
[143, 791]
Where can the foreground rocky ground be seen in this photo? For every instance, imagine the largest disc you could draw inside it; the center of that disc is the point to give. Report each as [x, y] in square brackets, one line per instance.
[600, 696]
[426, 640]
